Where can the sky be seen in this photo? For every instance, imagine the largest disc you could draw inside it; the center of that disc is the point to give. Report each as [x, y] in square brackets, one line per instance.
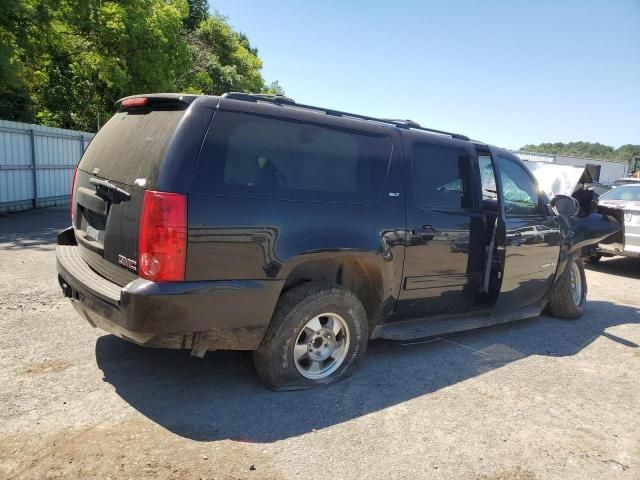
[508, 73]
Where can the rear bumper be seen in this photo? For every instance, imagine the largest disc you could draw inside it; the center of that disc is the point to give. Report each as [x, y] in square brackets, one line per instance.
[231, 315]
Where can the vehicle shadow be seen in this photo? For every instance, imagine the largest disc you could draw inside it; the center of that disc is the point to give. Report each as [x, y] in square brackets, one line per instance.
[220, 396]
[34, 229]
[620, 266]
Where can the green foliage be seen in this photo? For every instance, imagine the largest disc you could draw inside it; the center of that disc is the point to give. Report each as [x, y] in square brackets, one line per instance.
[626, 153]
[222, 60]
[65, 62]
[273, 88]
[198, 11]
[25, 31]
[630, 153]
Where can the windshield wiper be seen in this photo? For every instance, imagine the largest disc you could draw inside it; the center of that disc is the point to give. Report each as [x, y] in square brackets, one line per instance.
[110, 191]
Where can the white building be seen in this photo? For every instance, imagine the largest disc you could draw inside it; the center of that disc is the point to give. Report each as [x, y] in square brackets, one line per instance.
[604, 171]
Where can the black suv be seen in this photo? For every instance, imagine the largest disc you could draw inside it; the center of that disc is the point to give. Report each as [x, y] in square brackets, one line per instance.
[252, 222]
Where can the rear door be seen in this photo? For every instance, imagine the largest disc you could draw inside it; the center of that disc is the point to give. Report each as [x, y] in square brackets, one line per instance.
[105, 219]
[446, 235]
[137, 149]
[532, 239]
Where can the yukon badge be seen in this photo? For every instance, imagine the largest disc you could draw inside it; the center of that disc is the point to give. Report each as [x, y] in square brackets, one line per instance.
[128, 263]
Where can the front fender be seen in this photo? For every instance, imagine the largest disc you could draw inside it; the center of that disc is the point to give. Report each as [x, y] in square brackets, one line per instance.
[589, 230]
[580, 232]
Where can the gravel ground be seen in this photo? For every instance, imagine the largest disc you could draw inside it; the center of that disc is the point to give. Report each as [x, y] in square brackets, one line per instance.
[537, 399]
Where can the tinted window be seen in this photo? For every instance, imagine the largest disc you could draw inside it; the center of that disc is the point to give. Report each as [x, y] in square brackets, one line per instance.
[131, 145]
[266, 158]
[520, 192]
[441, 176]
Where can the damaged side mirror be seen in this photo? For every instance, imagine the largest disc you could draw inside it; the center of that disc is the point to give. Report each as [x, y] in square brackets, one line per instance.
[565, 205]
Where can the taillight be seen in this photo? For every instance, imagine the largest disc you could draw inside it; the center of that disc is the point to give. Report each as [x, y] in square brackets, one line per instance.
[73, 189]
[162, 240]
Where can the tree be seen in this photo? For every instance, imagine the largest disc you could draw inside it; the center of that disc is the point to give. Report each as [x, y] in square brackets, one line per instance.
[25, 29]
[586, 150]
[106, 50]
[628, 152]
[273, 88]
[222, 60]
[198, 11]
[65, 62]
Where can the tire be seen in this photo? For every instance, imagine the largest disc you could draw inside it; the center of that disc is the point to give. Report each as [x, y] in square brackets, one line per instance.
[281, 360]
[594, 258]
[562, 301]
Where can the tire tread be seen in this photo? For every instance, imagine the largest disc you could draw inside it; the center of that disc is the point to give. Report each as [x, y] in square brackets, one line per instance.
[561, 302]
[265, 357]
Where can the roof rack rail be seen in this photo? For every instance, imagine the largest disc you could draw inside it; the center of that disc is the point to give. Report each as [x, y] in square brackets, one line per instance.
[254, 97]
[407, 122]
[283, 100]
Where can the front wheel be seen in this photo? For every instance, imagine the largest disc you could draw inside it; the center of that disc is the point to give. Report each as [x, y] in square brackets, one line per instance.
[318, 335]
[569, 292]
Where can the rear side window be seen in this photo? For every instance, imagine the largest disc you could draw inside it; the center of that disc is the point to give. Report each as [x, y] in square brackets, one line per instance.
[131, 145]
[441, 176]
[252, 156]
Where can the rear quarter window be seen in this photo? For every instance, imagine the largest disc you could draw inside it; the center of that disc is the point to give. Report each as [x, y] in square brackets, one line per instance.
[259, 157]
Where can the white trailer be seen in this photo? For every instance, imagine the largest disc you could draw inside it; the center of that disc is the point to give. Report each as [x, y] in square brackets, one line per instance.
[603, 171]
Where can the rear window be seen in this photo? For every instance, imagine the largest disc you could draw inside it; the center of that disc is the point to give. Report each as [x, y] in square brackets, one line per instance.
[131, 146]
[252, 156]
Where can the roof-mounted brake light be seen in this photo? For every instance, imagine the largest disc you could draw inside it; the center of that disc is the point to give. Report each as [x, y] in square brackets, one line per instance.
[135, 102]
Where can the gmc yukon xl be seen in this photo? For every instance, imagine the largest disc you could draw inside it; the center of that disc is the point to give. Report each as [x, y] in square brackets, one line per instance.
[253, 222]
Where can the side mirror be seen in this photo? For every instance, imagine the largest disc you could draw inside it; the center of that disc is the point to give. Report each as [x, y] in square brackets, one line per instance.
[565, 205]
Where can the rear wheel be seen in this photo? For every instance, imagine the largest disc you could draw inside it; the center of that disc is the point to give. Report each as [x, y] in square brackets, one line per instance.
[318, 335]
[570, 291]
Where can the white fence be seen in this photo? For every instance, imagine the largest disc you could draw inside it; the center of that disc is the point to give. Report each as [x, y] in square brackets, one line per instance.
[36, 164]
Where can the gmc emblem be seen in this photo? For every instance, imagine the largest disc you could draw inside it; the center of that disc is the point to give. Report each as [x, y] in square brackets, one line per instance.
[128, 263]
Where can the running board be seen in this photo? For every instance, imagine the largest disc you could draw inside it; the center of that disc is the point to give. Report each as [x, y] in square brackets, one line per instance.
[431, 326]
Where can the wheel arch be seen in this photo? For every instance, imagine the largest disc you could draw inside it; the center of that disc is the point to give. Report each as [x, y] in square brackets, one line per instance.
[359, 275]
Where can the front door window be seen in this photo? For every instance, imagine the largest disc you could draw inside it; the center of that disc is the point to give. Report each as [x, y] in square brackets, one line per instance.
[520, 192]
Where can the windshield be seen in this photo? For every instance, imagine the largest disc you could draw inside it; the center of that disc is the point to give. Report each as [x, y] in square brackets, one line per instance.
[628, 193]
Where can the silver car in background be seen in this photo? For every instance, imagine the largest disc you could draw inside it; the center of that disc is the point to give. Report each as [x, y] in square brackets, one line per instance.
[623, 202]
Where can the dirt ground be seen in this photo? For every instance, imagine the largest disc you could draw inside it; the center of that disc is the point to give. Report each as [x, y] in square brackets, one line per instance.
[538, 399]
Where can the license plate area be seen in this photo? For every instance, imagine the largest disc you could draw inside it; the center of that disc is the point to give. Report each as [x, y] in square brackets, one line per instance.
[93, 225]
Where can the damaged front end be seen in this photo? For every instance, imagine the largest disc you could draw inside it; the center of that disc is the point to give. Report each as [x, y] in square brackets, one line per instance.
[586, 232]
[593, 224]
